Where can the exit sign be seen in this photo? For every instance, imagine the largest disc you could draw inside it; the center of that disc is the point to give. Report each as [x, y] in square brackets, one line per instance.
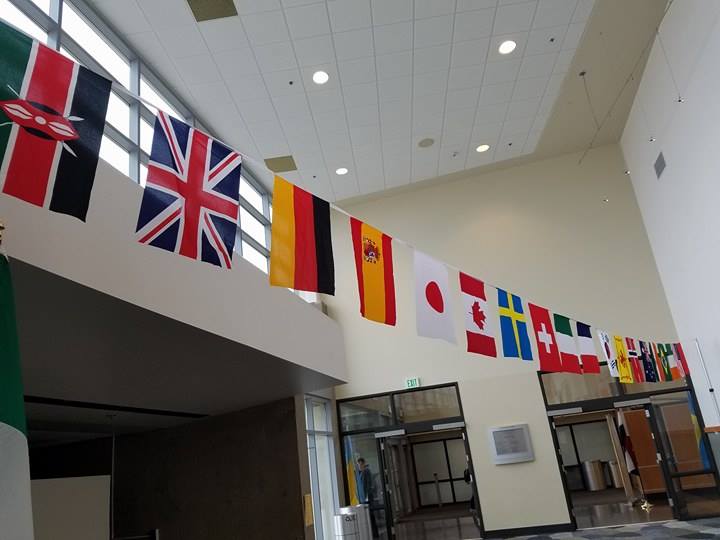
[412, 382]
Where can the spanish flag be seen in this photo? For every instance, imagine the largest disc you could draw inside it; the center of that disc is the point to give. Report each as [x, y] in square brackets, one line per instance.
[301, 255]
[374, 265]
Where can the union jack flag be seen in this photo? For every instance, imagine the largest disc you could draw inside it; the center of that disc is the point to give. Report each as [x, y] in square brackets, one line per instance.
[190, 203]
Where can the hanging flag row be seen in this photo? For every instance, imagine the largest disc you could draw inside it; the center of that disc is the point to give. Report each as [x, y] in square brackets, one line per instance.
[301, 247]
[54, 116]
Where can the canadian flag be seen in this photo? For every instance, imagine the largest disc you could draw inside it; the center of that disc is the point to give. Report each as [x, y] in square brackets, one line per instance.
[432, 299]
[480, 335]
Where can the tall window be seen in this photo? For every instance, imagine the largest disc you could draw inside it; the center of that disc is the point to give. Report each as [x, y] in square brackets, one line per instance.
[321, 453]
[127, 142]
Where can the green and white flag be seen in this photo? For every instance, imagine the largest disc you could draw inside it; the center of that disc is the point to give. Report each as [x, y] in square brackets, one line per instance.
[15, 505]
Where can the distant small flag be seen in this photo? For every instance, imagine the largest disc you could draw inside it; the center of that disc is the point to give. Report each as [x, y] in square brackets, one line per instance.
[657, 357]
[665, 361]
[513, 327]
[478, 321]
[374, 267]
[301, 257]
[548, 352]
[634, 359]
[588, 354]
[680, 353]
[672, 362]
[566, 343]
[608, 350]
[624, 367]
[648, 362]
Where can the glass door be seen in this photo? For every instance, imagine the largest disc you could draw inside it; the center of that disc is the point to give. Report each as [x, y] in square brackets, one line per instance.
[688, 462]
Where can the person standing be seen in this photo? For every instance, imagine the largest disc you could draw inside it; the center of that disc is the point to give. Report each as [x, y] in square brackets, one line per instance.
[366, 493]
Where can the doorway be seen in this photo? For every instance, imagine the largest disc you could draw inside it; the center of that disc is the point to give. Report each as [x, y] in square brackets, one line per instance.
[406, 455]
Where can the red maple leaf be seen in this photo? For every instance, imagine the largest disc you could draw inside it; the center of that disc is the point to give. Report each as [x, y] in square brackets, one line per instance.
[478, 315]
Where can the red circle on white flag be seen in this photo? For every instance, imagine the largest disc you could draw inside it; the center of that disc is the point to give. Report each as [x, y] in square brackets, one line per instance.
[434, 296]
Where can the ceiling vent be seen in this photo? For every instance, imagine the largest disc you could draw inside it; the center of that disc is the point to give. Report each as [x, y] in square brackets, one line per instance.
[207, 10]
[281, 164]
[659, 165]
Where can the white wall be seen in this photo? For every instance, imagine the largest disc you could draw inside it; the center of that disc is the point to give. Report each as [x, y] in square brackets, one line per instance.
[541, 230]
[680, 209]
[103, 254]
[71, 508]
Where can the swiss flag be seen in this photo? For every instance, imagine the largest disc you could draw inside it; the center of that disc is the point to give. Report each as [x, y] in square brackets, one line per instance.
[432, 299]
[480, 337]
[548, 350]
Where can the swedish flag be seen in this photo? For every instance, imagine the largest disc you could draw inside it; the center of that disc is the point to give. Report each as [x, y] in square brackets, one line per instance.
[515, 339]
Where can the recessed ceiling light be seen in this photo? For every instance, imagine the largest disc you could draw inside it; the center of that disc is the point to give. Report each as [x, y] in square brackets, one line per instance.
[341, 171]
[506, 47]
[320, 77]
[483, 148]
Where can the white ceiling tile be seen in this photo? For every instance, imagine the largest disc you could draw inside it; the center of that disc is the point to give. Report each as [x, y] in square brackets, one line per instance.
[391, 11]
[394, 65]
[260, 111]
[395, 89]
[563, 61]
[472, 5]
[573, 35]
[393, 38]
[495, 93]
[395, 113]
[583, 10]
[473, 24]
[537, 66]
[500, 72]
[425, 163]
[224, 34]
[395, 131]
[554, 85]
[278, 82]
[365, 115]
[432, 59]
[253, 6]
[491, 114]
[433, 31]
[429, 104]
[292, 106]
[364, 135]
[477, 159]
[275, 56]
[545, 40]
[511, 144]
[554, 13]
[530, 88]
[212, 94]
[523, 109]
[126, 17]
[433, 8]
[295, 3]
[246, 87]
[354, 44]
[465, 77]
[370, 172]
[183, 41]
[310, 160]
[517, 125]
[470, 53]
[237, 64]
[452, 159]
[539, 122]
[166, 13]
[198, 69]
[331, 121]
[493, 53]
[514, 18]
[308, 21]
[345, 187]
[326, 100]
[459, 120]
[357, 71]
[427, 125]
[332, 83]
[265, 27]
[360, 95]
[429, 83]
[462, 99]
[270, 140]
[299, 129]
[314, 50]
[349, 14]
[531, 142]
[397, 172]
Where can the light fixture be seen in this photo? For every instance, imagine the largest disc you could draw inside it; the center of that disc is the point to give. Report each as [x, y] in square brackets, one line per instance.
[506, 47]
[341, 171]
[426, 143]
[606, 199]
[652, 139]
[483, 148]
[320, 77]
[627, 171]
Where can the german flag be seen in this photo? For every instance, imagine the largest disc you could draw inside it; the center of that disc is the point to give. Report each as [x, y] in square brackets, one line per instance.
[374, 265]
[301, 255]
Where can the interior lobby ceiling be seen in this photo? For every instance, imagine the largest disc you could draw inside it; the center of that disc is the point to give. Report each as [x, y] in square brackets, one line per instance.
[400, 71]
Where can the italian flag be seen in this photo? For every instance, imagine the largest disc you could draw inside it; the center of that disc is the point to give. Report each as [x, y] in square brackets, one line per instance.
[15, 506]
[569, 357]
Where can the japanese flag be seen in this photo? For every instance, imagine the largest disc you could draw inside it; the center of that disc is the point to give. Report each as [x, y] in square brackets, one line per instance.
[432, 299]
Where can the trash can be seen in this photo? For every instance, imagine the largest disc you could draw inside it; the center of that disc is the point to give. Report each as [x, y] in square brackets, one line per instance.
[615, 474]
[353, 522]
[594, 475]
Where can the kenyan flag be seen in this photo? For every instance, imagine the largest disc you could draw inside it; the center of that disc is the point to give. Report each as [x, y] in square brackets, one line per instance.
[15, 507]
[52, 116]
